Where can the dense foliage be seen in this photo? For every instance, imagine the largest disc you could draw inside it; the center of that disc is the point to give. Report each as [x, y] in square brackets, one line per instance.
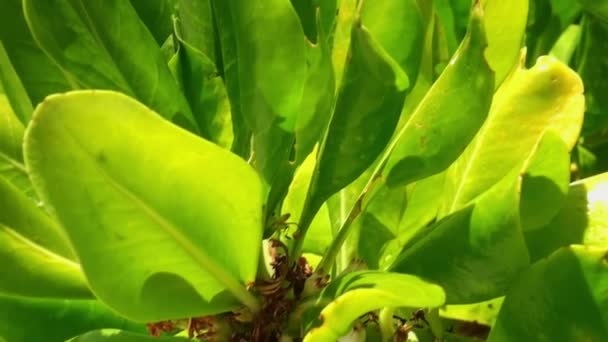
[316, 170]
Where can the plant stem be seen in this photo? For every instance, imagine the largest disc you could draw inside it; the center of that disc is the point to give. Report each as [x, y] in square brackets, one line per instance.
[358, 207]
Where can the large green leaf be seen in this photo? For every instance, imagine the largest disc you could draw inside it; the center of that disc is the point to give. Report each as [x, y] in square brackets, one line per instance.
[474, 253]
[367, 110]
[505, 23]
[265, 68]
[26, 57]
[166, 225]
[74, 33]
[37, 258]
[582, 220]
[351, 296]
[566, 45]
[11, 85]
[449, 115]
[115, 335]
[547, 96]
[561, 298]
[265, 72]
[27, 319]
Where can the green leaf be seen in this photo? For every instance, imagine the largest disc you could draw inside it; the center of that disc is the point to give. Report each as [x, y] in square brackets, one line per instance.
[27, 319]
[318, 97]
[115, 335]
[434, 136]
[545, 182]
[37, 258]
[422, 203]
[11, 85]
[197, 27]
[565, 46]
[476, 252]
[173, 205]
[366, 113]
[593, 68]
[397, 26]
[156, 15]
[320, 229]
[11, 156]
[357, 293]
[505, 23]
[206, 93]
[27, 58]
[582, 220]
[561, 298]
[483, 313]
[74, 32]
[546, 97]
[265, 68]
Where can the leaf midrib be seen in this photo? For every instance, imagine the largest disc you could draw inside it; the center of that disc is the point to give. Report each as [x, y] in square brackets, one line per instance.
[201, 258]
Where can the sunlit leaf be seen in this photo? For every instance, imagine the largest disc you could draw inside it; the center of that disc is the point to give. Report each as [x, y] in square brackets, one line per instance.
[349, 297]
[172, 205]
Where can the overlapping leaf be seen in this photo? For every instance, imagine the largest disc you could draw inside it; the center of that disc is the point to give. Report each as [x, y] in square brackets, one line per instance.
[583, 219]
[547, 96]
[449, 115]
[151, 215]
[29, 61]
[37, 258]
[74, 33]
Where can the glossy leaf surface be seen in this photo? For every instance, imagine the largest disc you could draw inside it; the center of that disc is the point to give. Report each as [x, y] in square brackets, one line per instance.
[172, 205]
[75, 32]
[547, 96]
[561, 298]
